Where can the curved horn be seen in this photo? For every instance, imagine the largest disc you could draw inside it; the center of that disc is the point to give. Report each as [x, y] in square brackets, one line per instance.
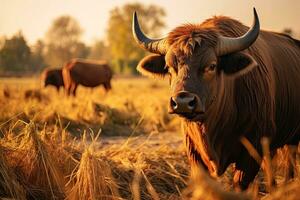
[153, 45]
[227, 45]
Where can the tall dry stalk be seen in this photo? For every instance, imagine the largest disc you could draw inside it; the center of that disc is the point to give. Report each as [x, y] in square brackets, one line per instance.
[268, 171]
[93, 179]
[203, 187]
[9, 185]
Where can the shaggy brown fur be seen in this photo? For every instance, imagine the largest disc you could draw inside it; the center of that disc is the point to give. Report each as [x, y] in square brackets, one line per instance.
[86, 73]
[261, 102]
[254, 104]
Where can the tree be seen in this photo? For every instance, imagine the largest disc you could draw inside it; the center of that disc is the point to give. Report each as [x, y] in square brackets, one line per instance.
[123, 49]
[37, 58]
[288, 31]
[99, 51]
[63, 41]
[15, 54]
[2, 40]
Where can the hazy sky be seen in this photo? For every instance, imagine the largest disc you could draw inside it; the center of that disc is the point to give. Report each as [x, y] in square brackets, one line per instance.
[34, 17]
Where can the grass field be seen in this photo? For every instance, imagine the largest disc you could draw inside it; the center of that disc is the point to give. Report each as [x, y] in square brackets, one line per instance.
[119, 145]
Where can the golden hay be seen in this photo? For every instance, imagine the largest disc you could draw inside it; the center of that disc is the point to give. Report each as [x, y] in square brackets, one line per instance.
[142, 174]
[203, 187]
[93, 179]
[289, 191]
[61, 145]
[9, 186]
[41, 154]
[35, 94]
[35, 168]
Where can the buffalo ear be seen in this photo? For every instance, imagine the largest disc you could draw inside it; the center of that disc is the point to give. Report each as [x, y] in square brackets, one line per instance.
[153, 65]
[237, 64]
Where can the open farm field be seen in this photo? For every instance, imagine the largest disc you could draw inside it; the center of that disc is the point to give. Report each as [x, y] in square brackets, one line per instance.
[117, 145]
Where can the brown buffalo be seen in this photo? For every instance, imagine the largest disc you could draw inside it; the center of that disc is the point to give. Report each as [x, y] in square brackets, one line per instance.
[227, 82]
[52, 77]
[86, 73]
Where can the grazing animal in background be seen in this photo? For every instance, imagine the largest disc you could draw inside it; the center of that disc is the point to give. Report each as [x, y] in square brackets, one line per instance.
[228, 81]
[86, 73]
[6, 92]
[52, 77]
[35, 94]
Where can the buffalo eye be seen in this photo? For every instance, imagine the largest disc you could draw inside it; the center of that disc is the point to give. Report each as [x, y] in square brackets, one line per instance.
[209, 71]
[211, 67]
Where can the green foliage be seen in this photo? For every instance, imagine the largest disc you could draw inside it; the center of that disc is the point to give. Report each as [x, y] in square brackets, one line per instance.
[63, 42]
[123, 49]
[15, 54]
[99, 51]
[2, 40]
[37, 59]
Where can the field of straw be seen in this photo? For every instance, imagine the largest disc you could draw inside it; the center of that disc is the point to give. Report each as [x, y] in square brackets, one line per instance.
[119, 145]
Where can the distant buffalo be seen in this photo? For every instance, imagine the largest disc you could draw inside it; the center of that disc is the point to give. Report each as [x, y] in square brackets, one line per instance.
[87, 73]
[52, 77]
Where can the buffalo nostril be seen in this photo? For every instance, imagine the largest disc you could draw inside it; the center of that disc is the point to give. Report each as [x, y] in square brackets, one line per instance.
[173, 103]
[192, 103]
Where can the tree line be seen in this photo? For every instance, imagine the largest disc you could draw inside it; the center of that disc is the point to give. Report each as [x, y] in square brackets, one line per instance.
[63, 42]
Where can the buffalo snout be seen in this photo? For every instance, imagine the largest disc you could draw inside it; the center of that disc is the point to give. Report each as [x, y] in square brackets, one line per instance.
[184, 102]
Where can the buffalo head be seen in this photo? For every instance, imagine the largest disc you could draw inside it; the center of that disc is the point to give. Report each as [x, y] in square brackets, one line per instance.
[196, 59]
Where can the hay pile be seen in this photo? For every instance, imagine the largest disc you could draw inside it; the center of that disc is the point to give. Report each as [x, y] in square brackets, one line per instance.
[52, 165]
[93, 179]
[39, 161]
[9, 186]
[144, 172]
[36, 170]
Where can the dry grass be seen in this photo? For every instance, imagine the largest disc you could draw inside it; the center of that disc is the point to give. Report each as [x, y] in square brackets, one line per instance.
[9, 185]
[35, 168]
[49, 149]
[93, 178]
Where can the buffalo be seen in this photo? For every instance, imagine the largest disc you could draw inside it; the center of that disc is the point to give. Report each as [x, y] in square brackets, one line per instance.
[86, 73]
[228, 82]
[52, 77]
